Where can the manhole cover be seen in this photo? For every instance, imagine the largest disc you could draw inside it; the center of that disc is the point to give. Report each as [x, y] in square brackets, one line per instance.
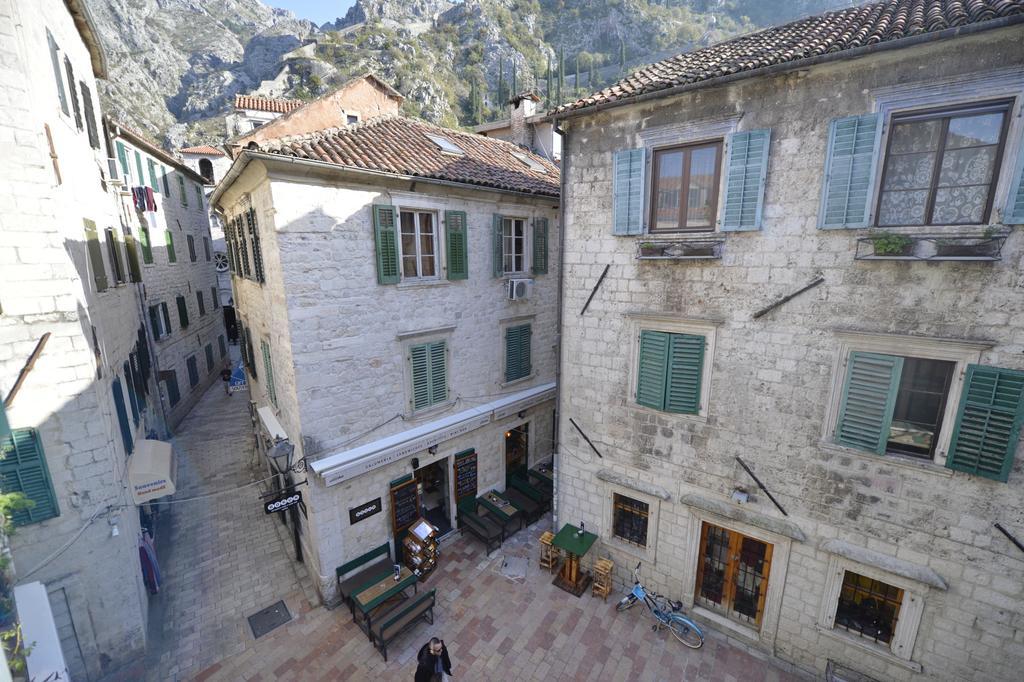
[269, 618]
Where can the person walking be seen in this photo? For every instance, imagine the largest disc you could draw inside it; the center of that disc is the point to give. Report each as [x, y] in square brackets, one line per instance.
[225, 376]
[432, 663]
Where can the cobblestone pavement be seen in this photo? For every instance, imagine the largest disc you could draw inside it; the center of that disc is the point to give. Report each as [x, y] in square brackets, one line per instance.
[225, 559]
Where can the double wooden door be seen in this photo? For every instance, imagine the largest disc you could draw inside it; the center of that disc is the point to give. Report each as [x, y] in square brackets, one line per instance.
[732, 574]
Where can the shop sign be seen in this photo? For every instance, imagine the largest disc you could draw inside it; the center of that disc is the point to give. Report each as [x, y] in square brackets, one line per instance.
[283, 501]
[363, 511]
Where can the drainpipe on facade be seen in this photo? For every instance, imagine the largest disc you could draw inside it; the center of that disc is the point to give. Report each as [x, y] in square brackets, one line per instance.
[561, 279]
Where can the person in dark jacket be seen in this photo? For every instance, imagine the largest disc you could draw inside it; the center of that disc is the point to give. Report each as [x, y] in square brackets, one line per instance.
[432, 663]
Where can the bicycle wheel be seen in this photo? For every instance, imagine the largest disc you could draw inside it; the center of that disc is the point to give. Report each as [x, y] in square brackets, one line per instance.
[686, 631]
[626, 602]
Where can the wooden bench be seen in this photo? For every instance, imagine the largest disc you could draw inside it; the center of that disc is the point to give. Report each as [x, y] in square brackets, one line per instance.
[519, 482]
[363, 571]
[505, 518]
[485, 530]
[540, 482]
[400, 619]
[530, 509]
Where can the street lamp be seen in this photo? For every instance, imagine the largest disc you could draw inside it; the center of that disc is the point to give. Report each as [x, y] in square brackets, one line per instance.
[281, 455]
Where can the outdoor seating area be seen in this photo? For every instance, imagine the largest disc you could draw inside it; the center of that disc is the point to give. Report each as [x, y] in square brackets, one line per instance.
[363, 571]
[401, 618]
[482, 528]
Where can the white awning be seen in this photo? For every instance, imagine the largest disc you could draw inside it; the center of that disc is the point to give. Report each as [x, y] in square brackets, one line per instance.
[347, 464]
[152, 469]
[271, 426]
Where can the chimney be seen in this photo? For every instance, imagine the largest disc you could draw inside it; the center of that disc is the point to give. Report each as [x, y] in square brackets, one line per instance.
[523, 106]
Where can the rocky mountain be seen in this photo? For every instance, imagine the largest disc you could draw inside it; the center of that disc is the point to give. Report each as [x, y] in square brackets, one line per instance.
[177, 64]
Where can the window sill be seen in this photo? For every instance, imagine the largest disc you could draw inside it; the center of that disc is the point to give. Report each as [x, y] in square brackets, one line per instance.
[875, 649]
[421, 283]
[747, 633]
[645, 554]
[520, 380]
[887, 460]
[700, 418]
[432, 411]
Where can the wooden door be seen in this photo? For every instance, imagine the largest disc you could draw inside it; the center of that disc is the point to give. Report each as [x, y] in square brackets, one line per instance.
[732, 574]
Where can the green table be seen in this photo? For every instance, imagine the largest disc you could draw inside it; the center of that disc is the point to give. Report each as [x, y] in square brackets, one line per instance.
[575, 546]
[374, 595]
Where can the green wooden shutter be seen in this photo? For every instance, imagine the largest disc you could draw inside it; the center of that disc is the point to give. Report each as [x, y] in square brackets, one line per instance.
[498, 245]
[171, 256]
[23, 470]
[92, 245]
[268, 369]
[152, 176]
[154, 321]
[209, 357]
[90, 115]
[221, 345]
[193, 371]
[685, 370]
[173, 394]
[1015, 204]
[182, 312]
[181, 190]
[167, 185]
[438, 372]
[745, 172]
[419, 357]
[201, 303]
[5, 428]
[122, 156]
[386, 238]
[869, 394]
[652, 369]
[134, 271]
[628, 191]
[190, 240]
[540, 246]
[147, 247]
[167, 319]
[141, 180]
[55, 59]
[853, 144]
[517, 352]
[122, 416]
[129, 385]
[257, 250]
[988, 423]
[455, 237]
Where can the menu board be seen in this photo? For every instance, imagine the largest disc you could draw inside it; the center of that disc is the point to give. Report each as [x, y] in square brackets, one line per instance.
[405, 505]
[465, 475]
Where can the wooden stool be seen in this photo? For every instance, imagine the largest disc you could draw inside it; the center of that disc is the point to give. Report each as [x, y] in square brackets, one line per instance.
[602, 585]
[548, 553]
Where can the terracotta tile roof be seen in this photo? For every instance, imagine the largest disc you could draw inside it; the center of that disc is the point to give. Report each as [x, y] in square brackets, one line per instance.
[399, 145]
[810, 37]
[277, 106]
[203, 149]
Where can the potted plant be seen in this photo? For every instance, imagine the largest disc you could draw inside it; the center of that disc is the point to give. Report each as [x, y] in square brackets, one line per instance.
[650, 249]
[889, 244]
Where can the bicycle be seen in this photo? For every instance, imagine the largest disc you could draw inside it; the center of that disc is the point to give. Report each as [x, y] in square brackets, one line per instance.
[665, 611]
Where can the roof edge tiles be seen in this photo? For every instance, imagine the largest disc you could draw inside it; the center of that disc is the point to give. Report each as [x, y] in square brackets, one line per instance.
[840, 34]
[270, 104]
[401, 146]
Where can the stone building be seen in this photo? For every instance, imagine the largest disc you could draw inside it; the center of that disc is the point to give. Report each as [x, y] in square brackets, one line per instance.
[355, 100]
[526, 127]
[209, 162]
[74, 359]
[253, 111]
[812, 243]
[165, 202]
[396, 283]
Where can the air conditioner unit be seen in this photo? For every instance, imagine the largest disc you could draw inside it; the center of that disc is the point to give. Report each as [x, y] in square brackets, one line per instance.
[519, 289]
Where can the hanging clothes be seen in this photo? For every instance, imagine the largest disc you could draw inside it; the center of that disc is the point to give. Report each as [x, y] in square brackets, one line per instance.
[150, 199]
[150, 568]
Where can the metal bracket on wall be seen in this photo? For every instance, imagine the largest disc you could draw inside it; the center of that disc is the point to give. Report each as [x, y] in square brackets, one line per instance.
[29, 364]
[1012, 539]
[785, 299]
[761, 486]
[591, 297]
[592, 446]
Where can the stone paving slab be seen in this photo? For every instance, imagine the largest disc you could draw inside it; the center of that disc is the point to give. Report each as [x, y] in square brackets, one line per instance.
[225, 559]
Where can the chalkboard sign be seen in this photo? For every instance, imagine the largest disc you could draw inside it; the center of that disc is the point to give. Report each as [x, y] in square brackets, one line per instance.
[405, 505]
[465, 475]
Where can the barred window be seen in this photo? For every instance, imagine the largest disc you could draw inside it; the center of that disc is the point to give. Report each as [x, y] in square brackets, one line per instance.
[868, 607]
[629, 520]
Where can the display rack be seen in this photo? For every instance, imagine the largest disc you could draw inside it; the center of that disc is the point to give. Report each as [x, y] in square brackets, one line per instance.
[420, 545]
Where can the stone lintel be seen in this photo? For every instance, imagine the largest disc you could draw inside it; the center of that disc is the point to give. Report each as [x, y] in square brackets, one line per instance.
[610, 476]
[778, 526]
[884, 562]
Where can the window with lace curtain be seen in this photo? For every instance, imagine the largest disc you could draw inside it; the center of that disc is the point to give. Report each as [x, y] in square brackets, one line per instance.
[941, 166]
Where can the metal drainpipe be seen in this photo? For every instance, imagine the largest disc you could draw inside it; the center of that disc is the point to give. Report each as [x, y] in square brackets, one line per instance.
[561, 279]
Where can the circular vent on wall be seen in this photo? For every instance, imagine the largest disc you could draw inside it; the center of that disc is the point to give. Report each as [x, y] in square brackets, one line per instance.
[220, 262]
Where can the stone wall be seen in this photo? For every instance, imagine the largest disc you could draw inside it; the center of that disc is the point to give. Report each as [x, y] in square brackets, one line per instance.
[46, 287]
[772, 379]
[339, 339]
[165, 281]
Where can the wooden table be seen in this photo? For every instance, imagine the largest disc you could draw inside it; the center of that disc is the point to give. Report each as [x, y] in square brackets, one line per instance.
[575, 545]
[503, 510]
[373, 596]
[545, 470]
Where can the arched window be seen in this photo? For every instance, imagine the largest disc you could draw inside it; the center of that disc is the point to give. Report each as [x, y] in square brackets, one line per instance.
[206, 169]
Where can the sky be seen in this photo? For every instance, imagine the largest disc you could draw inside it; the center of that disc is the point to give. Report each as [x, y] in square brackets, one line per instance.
[317, 11]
